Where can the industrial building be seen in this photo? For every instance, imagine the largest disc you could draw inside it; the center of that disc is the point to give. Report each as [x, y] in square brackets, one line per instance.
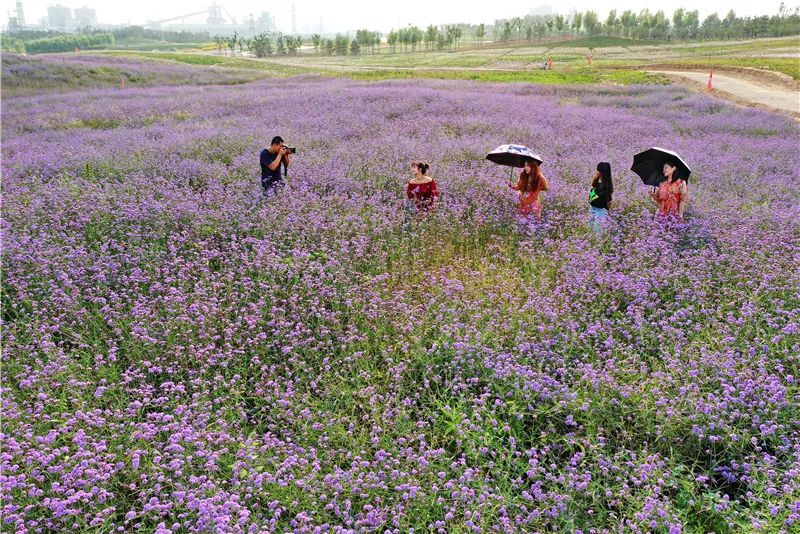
[215, 19]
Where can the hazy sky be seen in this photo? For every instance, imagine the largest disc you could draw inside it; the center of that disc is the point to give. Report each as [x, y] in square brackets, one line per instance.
[347, 14]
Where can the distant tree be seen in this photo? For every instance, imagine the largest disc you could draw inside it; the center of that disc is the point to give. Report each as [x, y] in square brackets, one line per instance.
[330, 47]
[506, 31]
[232, 42]
[577, 21]
[643, 22]
[591, 22]
[366, 39]
[355, 48]
[628, 22]
[443, 39]
[293, 43]
[611, 23]
[431, 35]
[316, 40]
[261, 45]
[376, 41]
[480, 32]
[660, 25]
[220, 42]
[712, 26]
[280, 45]
[342, 45]
[415, 37]
[392, 39]
[560, 23]
[678, 23]
[692, 23]
[729, 20]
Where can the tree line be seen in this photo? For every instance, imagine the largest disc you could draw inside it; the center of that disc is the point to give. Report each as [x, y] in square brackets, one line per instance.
[644, 25]
[261, 45]
[56, 43]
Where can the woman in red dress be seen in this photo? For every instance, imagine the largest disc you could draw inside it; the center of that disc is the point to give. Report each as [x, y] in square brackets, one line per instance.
[530, 184]
[422, 188]
[671, 195]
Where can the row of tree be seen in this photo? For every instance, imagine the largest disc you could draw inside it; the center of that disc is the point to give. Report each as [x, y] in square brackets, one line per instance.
[266, 44]
[432, 38]
[261, 45]
[684, 24]
[61, 42]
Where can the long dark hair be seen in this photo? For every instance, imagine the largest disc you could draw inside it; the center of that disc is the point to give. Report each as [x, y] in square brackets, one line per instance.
[605, 175]
[531, 180]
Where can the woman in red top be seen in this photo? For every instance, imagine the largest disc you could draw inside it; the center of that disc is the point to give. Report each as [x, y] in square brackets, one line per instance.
[422, 188]
[672, 194]
[531, 182]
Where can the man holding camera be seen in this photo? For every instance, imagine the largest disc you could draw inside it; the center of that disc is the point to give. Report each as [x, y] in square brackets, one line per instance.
[271, 159]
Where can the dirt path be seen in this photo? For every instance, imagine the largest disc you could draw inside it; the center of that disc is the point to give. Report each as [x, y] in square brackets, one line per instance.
[745, 90]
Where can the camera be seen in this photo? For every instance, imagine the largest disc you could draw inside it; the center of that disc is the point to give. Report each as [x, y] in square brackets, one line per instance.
[290, 149]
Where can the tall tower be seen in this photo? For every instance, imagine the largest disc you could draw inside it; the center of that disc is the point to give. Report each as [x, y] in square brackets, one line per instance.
[20, 15]
[294, 20]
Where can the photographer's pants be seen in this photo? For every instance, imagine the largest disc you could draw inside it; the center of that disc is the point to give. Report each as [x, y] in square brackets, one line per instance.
[271, 184]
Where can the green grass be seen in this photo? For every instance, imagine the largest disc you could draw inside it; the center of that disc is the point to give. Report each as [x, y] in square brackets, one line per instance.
[570, 56]
[581, 75]
[575, 76]
[604, 42]
[213, 60]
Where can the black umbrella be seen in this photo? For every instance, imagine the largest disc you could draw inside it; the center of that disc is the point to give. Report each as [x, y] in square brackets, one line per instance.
[649, 165]
[513, 155]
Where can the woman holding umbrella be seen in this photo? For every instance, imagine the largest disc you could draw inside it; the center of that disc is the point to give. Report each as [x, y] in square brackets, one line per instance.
[530, 184]
[531, 181]
[672, 193]
[665, 171]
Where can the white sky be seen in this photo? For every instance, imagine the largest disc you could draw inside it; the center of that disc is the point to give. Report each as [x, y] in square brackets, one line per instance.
[379, 15]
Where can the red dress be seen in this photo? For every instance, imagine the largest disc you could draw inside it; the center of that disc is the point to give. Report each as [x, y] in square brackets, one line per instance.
[423, 195]
[669, 197]
[529, 201]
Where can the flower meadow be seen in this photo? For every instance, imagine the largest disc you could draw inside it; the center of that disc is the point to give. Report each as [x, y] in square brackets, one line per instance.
[26, 75]
[181, 354]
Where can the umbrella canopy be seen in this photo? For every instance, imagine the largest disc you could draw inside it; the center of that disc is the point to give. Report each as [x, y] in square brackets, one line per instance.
[513, 155]
[649, 165]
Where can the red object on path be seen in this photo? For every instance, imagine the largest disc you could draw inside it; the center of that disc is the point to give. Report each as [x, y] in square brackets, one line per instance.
[710, 76]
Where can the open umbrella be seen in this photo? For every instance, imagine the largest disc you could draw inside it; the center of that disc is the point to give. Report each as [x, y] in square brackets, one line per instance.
[513, 155]
[649, 165]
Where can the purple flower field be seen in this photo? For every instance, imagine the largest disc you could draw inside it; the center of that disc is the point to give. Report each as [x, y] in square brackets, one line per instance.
[26, 75]
[181, 355]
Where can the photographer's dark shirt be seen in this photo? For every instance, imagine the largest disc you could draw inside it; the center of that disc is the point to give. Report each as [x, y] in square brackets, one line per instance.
[268, 174]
